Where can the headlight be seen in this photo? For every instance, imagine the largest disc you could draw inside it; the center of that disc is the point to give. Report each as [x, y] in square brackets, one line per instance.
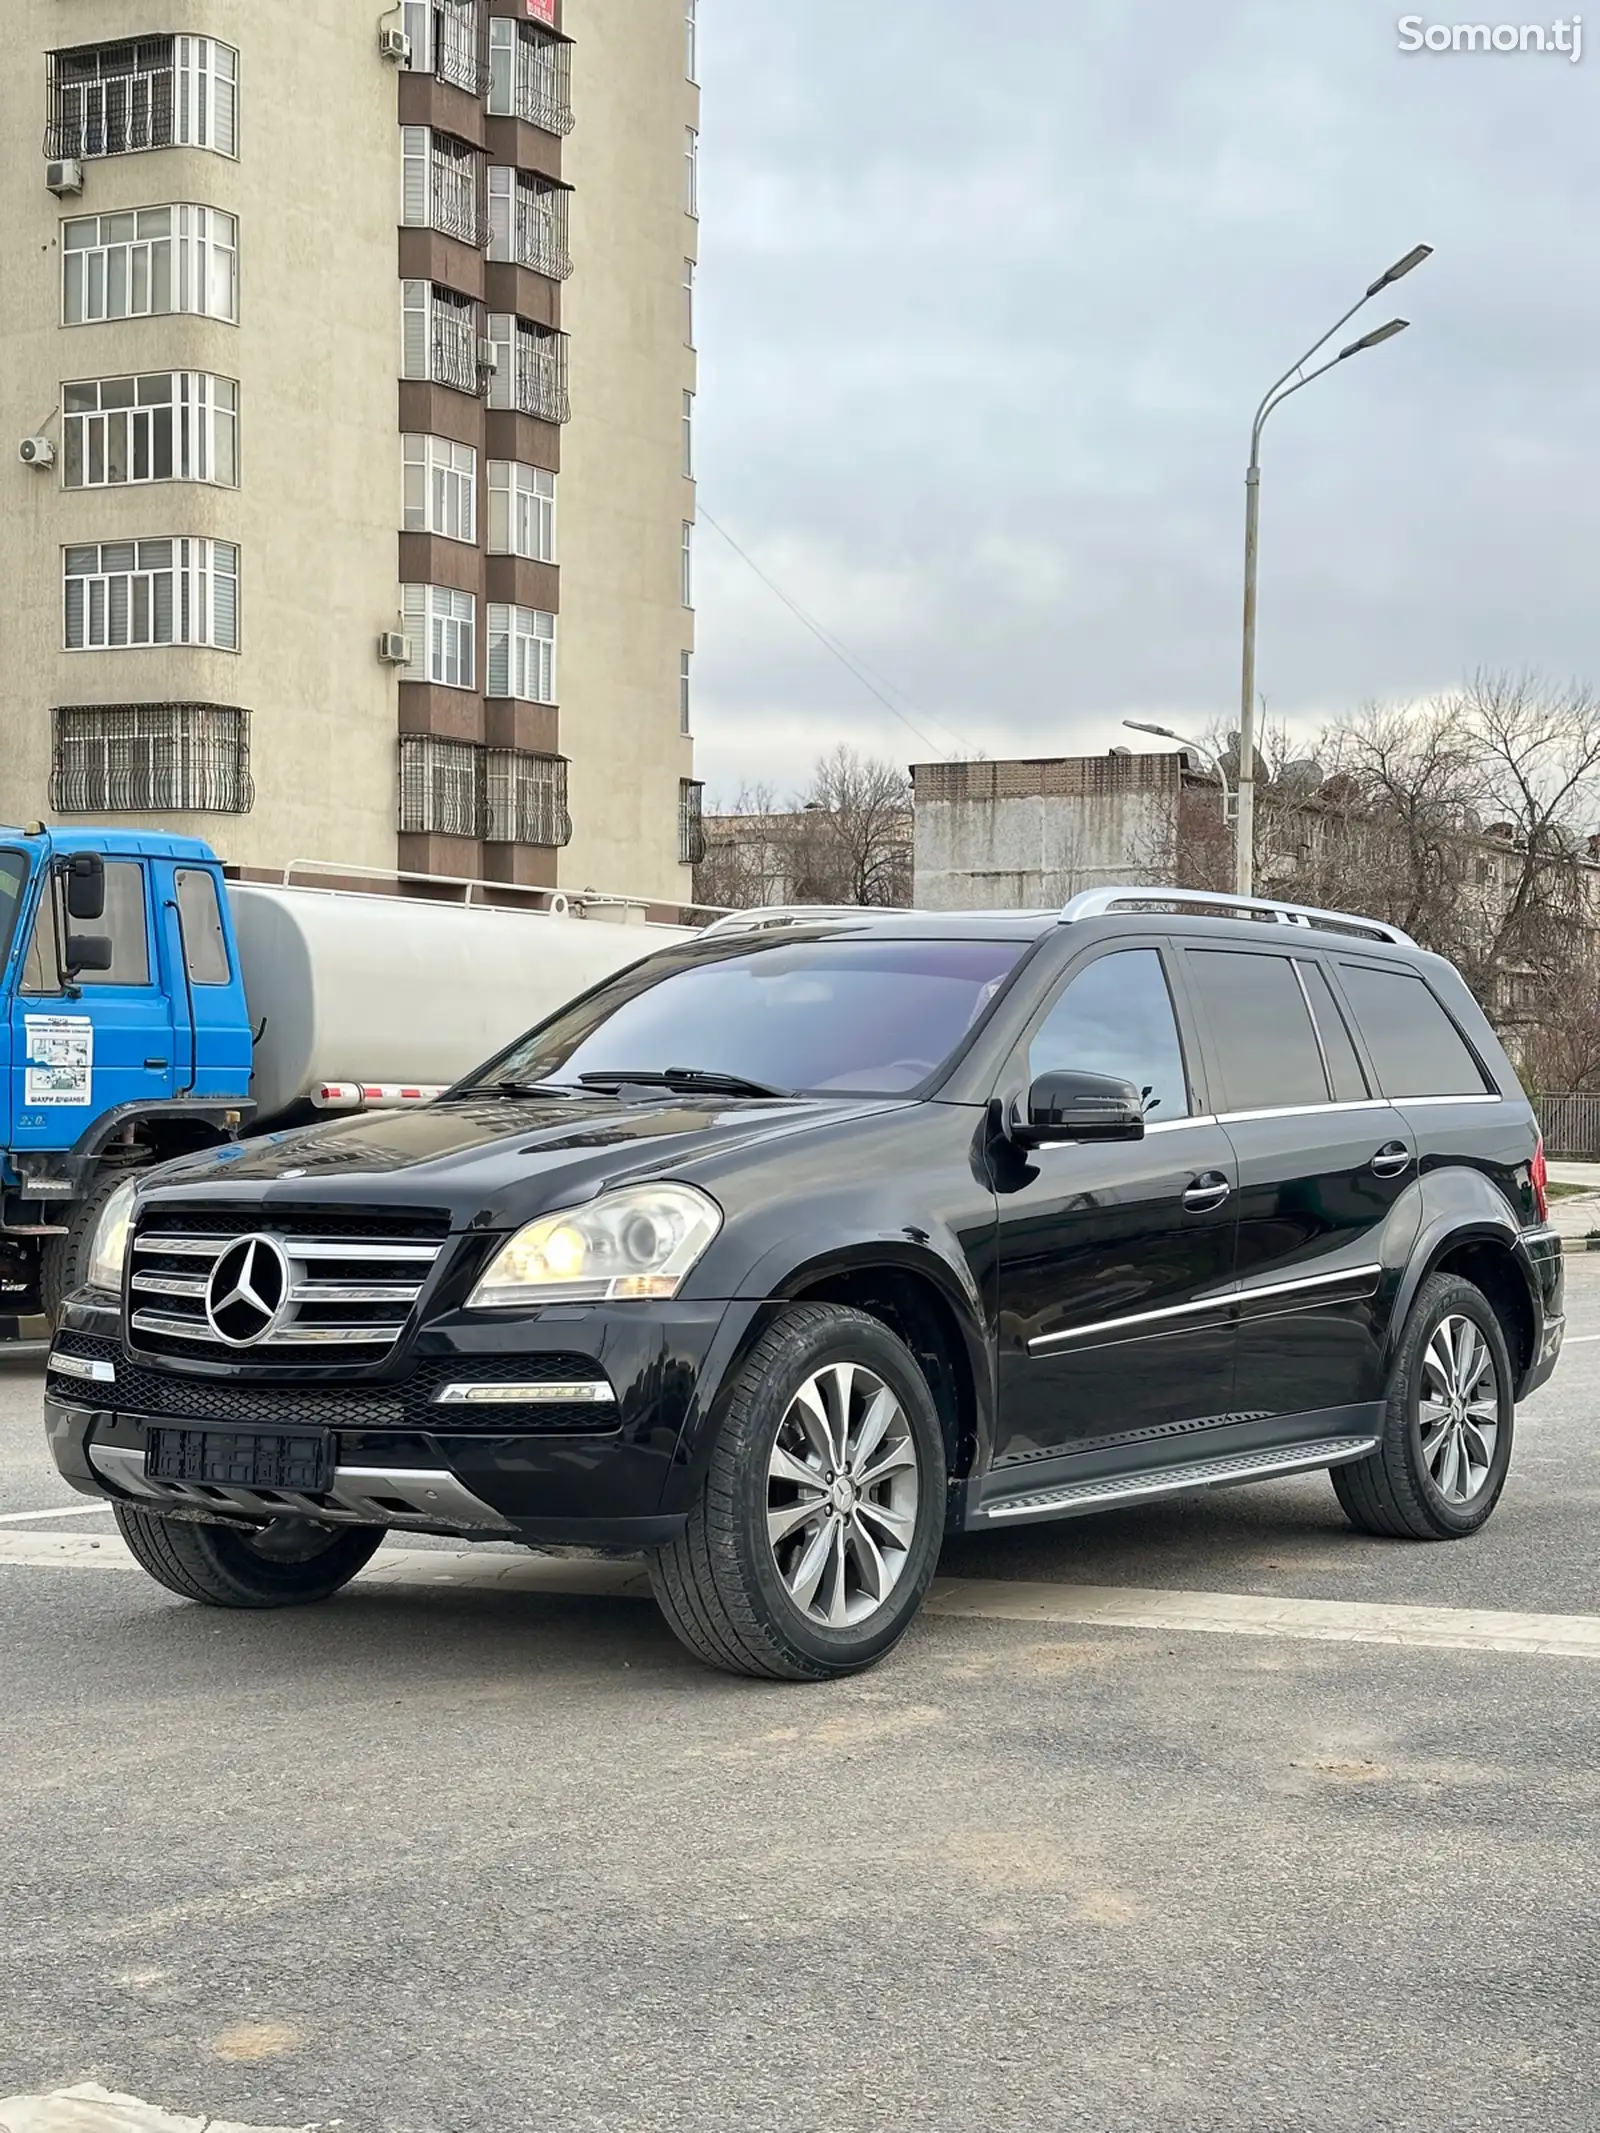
[111, 1239]
[641, 1241]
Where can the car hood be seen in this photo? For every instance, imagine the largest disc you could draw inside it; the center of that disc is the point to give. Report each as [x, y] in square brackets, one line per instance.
[489, 1162]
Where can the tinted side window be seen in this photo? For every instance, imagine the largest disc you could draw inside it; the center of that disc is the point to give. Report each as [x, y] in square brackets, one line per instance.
[125, 924]
[1344, 1067]
[1265, 1043]
[1116, 1018]
[205, 944]
[1416, 1048]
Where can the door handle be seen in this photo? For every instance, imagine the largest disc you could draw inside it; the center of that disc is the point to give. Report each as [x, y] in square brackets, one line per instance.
[1207, 1191]
[1392, 1160]
[155, 1066]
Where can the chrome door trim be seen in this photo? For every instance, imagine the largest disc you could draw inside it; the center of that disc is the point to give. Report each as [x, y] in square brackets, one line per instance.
[1263, 1291]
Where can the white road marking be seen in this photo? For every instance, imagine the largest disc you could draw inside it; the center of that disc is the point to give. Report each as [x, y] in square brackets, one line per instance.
[75, 1510]
[1469, 1629]
[88, 2108]
[1577, 1340]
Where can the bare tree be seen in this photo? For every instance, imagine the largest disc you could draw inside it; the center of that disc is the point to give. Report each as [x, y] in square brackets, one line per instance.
[853, 839]
[747, 852]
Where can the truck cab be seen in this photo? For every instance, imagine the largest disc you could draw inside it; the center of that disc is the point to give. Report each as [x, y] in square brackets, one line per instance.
[124, 1032]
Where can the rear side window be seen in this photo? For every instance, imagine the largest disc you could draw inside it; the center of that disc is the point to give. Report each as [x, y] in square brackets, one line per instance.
[1265, 1044]
[1416, 1048]
[204, 943]
[1116, 1018]
[1344, 1068]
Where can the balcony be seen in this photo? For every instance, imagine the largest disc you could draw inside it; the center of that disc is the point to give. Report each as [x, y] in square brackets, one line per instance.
[151, 759]
[447, 41]
[439, 337]
[530, 376]
[442, 185]
[530, 75]
[528, 222]
[491, 795]
[153, 92]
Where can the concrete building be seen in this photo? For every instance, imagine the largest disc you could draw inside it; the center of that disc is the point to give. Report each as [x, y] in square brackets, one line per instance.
[359, 347]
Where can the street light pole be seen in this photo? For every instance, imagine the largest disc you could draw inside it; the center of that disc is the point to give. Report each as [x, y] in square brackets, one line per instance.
[1139, 725]
[1292, 381]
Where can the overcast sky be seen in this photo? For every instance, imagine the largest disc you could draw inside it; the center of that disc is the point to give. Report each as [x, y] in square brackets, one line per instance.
[988, 293]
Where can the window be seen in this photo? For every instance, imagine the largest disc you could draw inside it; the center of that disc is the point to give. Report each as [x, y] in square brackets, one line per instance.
[530, 75]
[151, 759]
[1116, 1018]
[528, 222]
[122, 595]
[125, 923]
[525, 798]
[684, 691]
[522, 654]
[1262, 1031]
[688, 436]
[441, 488]
[522, 511]
[692, 33]
[156, 92]
[444, 40]
[13, 880]
[691, 822]
[443, 626]
[691, 170]
[530, 371]
[205, 945]
[438, 336]
[688, 562]
[177, 425]
[1344, 1068]
[439, 786]
[858, 1015]
[149, 262]
[688, 303]
[1415, 1047]
[439, 184]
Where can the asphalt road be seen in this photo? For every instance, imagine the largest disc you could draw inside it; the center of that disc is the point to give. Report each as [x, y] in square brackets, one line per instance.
[469, 1859]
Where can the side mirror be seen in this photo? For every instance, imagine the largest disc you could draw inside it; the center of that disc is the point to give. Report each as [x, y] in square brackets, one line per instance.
[87, 951]
[1082, 1107]
[86, 886]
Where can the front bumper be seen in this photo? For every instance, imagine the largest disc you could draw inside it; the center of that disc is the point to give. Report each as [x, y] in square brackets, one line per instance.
[620, 1476]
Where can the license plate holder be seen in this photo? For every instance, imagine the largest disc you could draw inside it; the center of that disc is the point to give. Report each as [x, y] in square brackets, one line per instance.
[300, 1461]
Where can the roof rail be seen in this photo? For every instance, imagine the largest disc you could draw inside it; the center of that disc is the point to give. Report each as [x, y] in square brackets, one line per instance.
[1095, 903]
[765, 917]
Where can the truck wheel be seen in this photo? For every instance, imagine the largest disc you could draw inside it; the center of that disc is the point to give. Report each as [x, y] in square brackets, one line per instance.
[1441, 1463]
[817, 1528]
[64, 1261]
[286, 1564]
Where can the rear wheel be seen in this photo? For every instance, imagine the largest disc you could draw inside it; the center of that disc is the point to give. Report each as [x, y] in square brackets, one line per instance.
[289, 1563]
[1440, 1466]
[818, 1526]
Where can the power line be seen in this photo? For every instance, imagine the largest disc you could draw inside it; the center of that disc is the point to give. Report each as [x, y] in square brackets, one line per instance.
[830, 644]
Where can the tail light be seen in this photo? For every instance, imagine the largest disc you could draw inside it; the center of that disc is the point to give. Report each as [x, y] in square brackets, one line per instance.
[1539, 1179]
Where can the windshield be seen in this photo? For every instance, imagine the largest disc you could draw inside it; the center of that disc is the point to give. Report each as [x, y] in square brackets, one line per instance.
[13, 880]
[871, 1017]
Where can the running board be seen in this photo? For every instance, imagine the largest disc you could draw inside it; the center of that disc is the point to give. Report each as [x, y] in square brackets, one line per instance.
[1074, 1496]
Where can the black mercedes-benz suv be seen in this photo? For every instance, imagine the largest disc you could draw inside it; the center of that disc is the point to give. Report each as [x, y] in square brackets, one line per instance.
[785, 1253]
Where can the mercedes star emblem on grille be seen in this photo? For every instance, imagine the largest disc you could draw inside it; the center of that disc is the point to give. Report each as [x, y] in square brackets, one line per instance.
[248, 1290]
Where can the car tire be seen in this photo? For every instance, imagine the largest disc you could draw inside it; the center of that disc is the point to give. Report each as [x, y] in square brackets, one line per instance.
[226, 1566]
[797, 1563]
[64, 1261]
[1441, 1462]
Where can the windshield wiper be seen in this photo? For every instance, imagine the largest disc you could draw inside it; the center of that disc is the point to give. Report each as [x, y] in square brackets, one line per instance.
[690, 1079]
[512, 1088]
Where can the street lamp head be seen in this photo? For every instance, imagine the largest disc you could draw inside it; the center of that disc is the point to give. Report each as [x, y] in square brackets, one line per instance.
[1139, 725]
[1414, 258]
[1372, 339]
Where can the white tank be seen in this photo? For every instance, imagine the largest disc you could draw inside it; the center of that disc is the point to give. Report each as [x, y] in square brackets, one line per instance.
[390, 989]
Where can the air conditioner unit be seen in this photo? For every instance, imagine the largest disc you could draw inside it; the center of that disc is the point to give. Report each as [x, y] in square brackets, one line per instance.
[488, 355]
[395, 46]
[64, 175]
[394, 648]
[36, 452]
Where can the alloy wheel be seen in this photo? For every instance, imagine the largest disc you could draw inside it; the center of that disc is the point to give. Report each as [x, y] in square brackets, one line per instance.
[843, 1485]
[1459, 1409]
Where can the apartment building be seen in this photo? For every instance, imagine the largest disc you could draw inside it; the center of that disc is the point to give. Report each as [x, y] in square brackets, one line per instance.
[346, 399]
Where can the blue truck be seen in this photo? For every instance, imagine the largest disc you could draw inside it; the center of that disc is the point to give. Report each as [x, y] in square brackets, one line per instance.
[153, 1006]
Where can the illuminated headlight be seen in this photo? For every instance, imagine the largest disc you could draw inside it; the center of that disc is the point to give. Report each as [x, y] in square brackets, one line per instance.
[111, 1239]
[642, 1241]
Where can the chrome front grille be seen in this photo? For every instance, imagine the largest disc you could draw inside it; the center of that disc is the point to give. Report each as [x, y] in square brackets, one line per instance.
[280, 1290]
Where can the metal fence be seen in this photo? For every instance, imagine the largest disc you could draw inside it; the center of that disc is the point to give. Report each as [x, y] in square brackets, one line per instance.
[1570, 1125]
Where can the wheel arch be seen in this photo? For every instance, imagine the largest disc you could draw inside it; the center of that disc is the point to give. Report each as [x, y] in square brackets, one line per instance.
[1484, 1253]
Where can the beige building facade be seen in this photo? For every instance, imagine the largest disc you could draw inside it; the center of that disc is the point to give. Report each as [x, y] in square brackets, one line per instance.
[356, 354]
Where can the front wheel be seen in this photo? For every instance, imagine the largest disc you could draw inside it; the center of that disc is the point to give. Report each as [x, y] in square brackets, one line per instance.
[1441, 1463]
[290, 1563]
[816, 1531]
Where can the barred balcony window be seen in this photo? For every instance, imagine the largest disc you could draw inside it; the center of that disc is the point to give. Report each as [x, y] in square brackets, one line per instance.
[497, 795]
[691, 826]
[446, 40]
[530, 374]
[151, 759]
[439, 337]
[441, 186]
[530, 75]
[154, 92]
[526, 798]
[440, 787]
[528, 222]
